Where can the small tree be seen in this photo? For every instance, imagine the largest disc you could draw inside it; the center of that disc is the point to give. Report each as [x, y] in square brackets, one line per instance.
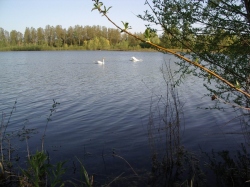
[3, 39]
[13, 37]
[104, 43]
[94, 44]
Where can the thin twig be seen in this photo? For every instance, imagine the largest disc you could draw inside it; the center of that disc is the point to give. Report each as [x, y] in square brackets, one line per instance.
[126, 162]
[115, 179]
[234, 105]
[27, 145]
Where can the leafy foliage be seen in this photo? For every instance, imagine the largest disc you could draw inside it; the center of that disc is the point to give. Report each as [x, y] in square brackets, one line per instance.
[126, 26]
[39, 168]
[97, 5]
[216, 32]
[73, 38]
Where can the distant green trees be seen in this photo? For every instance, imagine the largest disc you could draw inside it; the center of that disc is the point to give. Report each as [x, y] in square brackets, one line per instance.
[77, 37]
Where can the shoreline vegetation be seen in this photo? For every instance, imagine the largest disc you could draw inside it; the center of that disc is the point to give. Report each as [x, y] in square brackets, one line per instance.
[79, 37]
[76, 48]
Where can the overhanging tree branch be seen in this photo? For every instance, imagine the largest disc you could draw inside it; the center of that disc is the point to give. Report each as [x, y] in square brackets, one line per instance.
[235, 87]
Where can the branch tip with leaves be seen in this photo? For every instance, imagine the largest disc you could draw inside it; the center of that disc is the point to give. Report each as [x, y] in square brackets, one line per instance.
[98, 5]
[126, 26]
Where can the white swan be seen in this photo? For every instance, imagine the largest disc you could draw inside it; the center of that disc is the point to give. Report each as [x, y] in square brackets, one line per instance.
[100, 62]
[134, 59]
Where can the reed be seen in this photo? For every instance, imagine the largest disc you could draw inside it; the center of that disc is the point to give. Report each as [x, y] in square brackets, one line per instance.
[39, 171]
[229, 169]
[86, 180]
[172, 165]
[52, 111]
[5, 147]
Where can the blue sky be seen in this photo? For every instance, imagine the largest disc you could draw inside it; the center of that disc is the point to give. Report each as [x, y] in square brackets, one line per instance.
[19, 14]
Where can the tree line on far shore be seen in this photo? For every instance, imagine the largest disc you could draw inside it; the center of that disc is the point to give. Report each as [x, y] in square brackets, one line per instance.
[90, 38]
[77, 37]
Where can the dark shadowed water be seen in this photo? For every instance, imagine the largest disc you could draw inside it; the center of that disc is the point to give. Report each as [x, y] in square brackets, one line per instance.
[103, 108]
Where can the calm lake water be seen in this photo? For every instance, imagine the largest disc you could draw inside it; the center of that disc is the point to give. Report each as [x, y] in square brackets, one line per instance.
[103, 108]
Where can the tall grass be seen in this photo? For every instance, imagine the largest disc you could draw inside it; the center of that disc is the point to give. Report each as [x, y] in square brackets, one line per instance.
[39, 171]
[5, 148]
[172, 165]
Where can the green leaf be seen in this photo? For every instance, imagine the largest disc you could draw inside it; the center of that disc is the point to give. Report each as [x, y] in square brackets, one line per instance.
[126, 26]
[197, 60]
[97, 6]
[147, 34]
[237, 84]
[105, 11]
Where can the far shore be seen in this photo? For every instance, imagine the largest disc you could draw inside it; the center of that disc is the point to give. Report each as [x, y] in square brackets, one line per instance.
[76, 48]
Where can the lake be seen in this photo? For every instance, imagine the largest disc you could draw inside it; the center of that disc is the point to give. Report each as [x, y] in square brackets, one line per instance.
[103, 108]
